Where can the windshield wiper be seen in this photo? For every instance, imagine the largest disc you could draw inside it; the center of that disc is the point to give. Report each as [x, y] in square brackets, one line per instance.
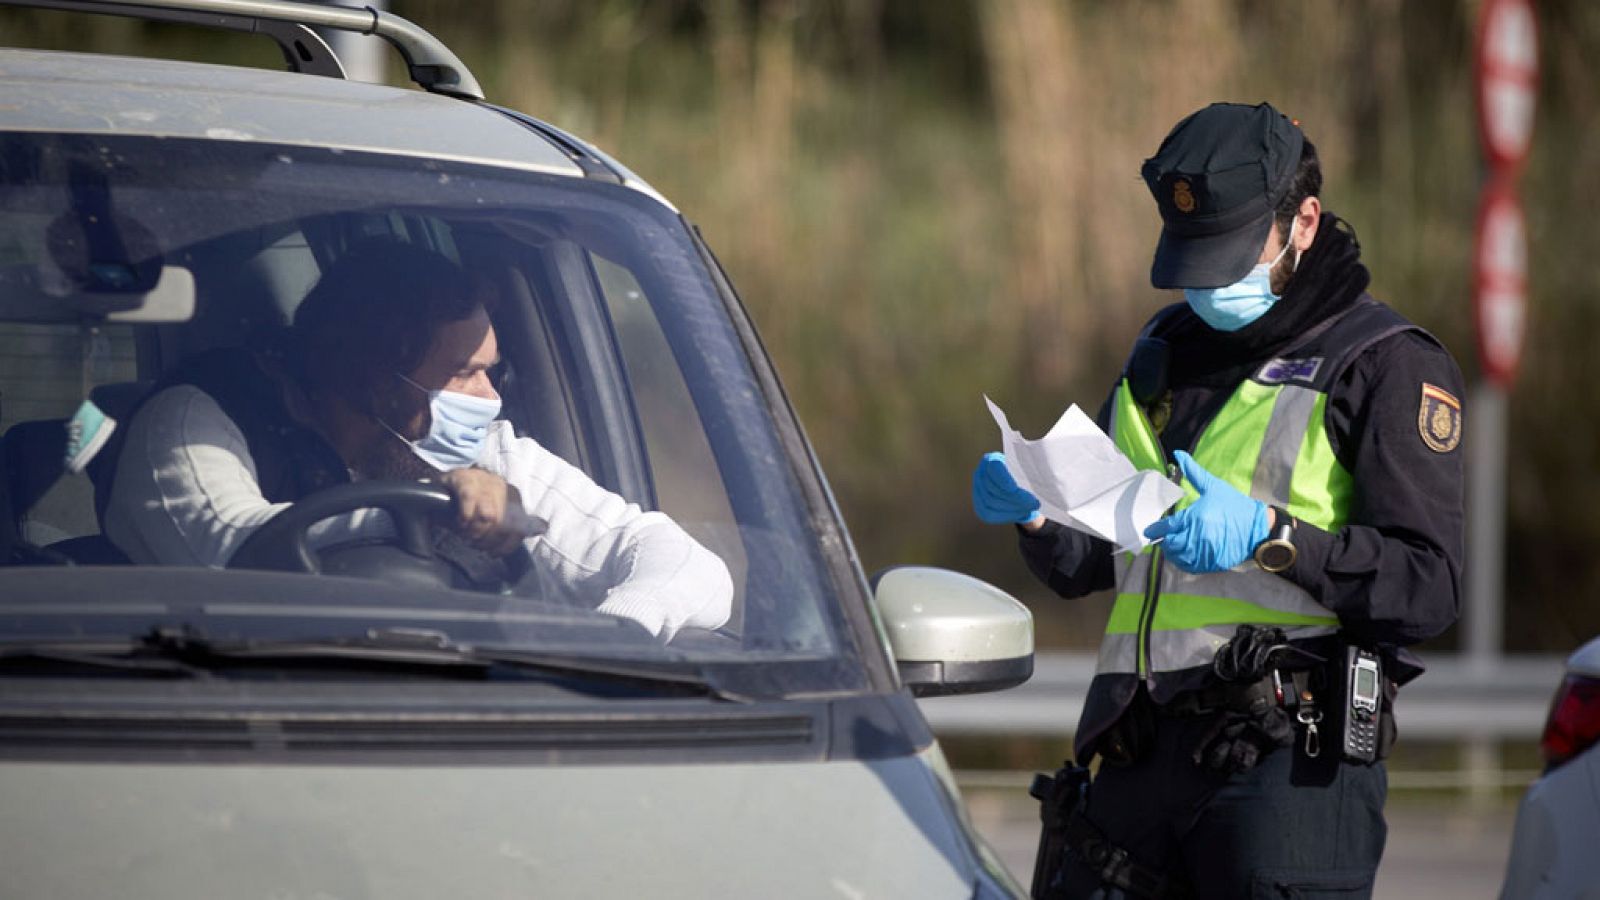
[123, 656]
[185, 652]
[426, 648]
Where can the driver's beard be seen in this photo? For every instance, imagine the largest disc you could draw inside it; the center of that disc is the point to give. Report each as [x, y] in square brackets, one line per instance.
[391, 459]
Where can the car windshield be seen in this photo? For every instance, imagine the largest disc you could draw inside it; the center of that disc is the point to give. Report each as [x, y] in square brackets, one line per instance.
[134, 269]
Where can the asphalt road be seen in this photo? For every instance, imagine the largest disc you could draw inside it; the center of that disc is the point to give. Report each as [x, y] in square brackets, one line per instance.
[1438, 848]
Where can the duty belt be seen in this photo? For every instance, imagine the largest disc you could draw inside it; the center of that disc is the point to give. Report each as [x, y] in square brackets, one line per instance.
[1279, 687]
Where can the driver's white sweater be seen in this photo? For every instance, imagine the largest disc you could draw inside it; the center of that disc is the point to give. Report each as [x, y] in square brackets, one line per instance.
[185, 494]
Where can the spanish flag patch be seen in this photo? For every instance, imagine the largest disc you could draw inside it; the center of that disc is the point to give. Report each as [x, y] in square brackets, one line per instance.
[1439, 419]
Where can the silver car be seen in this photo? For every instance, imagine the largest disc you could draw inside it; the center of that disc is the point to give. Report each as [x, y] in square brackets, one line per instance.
[349, 723]
[1553, 849]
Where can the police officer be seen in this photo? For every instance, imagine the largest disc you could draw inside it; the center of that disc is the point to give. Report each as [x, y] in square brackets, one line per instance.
[1317, 434]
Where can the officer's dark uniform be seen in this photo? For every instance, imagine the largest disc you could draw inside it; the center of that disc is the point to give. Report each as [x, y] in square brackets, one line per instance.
[1291, 825]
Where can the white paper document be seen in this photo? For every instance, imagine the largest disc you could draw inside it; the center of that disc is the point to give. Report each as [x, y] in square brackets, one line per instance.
[1082, 480]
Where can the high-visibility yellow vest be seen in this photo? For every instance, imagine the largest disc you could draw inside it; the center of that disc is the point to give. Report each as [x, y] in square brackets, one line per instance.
[1270, 441]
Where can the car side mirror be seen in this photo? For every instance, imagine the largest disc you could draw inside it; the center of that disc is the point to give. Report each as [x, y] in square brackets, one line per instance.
[951, 633]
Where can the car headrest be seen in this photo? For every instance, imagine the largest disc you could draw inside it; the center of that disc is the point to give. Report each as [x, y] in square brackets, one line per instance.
[34, 453]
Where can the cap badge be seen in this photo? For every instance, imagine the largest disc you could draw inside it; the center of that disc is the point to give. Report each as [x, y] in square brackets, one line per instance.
[1182, 196]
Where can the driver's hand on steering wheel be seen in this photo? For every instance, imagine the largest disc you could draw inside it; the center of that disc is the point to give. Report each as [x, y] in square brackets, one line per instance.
[489, 512]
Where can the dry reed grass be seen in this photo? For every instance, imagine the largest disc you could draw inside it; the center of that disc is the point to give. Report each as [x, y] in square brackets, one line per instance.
[906, 246]
[924, 202]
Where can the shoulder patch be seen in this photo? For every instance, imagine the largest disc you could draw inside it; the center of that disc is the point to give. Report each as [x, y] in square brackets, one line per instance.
[1439, 419]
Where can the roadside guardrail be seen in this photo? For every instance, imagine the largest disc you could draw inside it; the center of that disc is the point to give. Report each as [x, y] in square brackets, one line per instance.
[1456, 699]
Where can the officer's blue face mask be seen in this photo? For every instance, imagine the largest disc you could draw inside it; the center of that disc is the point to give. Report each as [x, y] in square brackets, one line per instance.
[1233, 307]
[460, 425]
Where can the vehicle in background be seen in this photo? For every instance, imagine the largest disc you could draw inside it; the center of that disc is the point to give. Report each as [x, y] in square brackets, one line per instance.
[357, 722]
[1555, 849]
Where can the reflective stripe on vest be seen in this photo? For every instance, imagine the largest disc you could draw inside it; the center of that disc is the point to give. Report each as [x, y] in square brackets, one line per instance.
[1269, 442]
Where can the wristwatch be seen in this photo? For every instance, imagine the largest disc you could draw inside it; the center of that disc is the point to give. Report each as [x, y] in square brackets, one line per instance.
[1277, 552]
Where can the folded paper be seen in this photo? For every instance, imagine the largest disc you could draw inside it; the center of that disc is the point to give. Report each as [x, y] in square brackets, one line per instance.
[1083, 481]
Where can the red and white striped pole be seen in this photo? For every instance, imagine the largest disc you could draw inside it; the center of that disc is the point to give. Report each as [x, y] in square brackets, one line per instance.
[1507, 78]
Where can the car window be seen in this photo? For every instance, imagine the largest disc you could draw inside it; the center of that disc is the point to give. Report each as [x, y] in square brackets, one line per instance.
[615, 356]
[682, 466]
[43, 370]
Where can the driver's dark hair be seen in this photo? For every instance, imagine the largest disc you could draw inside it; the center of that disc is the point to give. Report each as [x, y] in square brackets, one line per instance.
[375, 312]
[1307, 183]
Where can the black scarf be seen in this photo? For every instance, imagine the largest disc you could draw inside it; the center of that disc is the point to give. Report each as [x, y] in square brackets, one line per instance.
[1329, 280]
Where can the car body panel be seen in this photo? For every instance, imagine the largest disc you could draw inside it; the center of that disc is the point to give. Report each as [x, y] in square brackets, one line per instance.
[1553, 843]
[842, 829]
[1586, 660]
[73, 92]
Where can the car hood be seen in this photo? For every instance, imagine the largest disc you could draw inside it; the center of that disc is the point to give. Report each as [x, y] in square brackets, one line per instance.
[819, 829]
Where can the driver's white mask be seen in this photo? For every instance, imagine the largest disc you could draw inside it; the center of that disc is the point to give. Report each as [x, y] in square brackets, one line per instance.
[460, 423]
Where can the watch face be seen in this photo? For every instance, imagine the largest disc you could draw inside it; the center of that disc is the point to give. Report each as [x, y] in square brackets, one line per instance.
[1275, 556]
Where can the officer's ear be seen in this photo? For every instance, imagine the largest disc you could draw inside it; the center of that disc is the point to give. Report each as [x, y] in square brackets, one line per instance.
[1307, 221]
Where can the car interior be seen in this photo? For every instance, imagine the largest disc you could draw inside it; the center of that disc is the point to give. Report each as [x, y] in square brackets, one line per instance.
[566, 316]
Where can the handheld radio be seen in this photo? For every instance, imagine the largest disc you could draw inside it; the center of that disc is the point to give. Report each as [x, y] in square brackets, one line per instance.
[1363, 690]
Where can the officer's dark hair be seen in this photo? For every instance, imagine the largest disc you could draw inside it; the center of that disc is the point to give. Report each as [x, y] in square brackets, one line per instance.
[375, 312]
[1307, 183]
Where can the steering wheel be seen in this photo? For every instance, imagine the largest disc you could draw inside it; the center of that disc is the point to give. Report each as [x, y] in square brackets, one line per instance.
[281, 543]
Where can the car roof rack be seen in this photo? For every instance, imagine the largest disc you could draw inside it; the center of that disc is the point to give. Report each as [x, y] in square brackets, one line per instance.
[429, 62]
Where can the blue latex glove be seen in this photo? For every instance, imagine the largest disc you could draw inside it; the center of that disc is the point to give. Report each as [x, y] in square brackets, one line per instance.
[1216, 532]
[996, 496]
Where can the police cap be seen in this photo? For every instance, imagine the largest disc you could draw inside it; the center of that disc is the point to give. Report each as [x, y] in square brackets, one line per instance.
[1217, 178]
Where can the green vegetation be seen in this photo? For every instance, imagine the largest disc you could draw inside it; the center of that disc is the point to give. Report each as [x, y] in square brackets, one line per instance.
[923, 202]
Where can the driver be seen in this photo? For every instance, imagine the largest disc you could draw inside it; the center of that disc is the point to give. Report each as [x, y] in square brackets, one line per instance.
[385, 375]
